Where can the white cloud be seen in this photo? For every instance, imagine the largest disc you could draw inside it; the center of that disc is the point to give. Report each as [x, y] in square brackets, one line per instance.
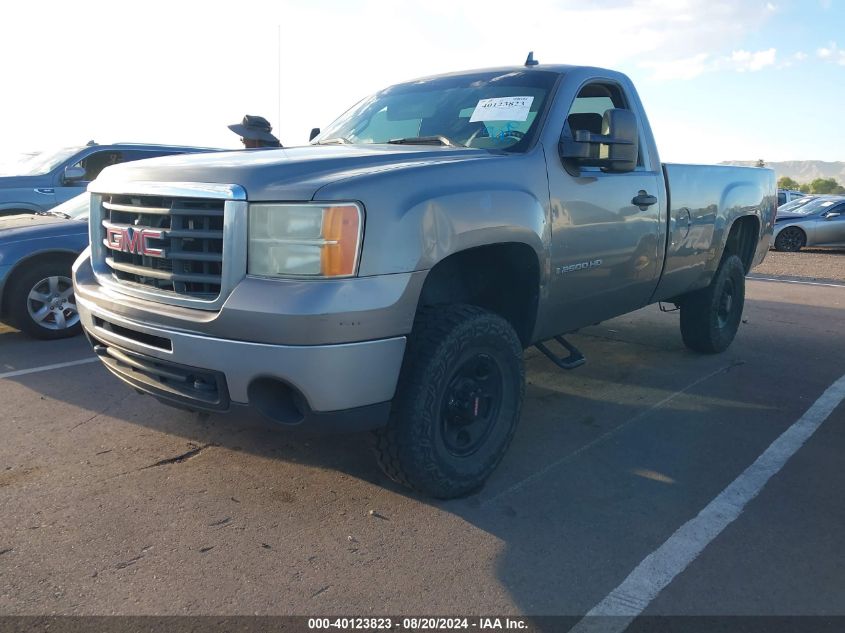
[832, 53]
[695, 65]
[685, 68]
[793, 60]
[160, 73]
[747, 61]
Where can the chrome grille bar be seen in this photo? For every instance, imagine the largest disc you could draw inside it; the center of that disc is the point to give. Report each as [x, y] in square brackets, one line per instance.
[166, 245]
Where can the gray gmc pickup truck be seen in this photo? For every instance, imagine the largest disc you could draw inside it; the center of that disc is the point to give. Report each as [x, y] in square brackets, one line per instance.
[388, 276]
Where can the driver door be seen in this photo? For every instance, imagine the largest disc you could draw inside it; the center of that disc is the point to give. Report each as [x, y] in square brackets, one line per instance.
[605, 259]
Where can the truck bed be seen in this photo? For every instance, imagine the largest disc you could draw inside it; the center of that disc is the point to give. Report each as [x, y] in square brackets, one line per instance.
[703, 203]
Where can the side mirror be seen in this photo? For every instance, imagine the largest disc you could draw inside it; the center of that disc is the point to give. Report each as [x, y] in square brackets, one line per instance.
[72, 174]
[615, 150]
[315, 131]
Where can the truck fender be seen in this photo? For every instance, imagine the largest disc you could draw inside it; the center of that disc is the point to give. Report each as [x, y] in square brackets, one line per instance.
[23, 206]
[739, 200]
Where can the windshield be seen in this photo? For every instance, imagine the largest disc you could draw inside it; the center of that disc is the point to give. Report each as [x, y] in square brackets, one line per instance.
[820, 205]
[795, 205]
[491, 110]
[76, 208]
[40, 164]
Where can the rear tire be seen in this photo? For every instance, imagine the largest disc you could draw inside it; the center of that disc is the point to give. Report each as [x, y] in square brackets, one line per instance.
[41, 301]
[710, 317]
[457, 403]
[791, 240]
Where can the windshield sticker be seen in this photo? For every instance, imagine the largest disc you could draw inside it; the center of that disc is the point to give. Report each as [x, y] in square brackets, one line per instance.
[502, 109]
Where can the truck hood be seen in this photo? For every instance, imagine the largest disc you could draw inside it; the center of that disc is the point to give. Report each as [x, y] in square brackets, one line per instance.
[794, 217]
[294, 173]
[16, 228]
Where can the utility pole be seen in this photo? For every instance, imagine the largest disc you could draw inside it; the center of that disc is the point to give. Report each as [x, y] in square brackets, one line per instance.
[279, 76]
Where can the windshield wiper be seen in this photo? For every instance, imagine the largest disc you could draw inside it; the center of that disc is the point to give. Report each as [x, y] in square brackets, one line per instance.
[338, 140]
[59, 214]
[438, 139]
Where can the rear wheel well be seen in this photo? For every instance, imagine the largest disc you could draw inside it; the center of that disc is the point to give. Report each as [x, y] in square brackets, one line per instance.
[501, 278]
[742, 240]
[21, 266]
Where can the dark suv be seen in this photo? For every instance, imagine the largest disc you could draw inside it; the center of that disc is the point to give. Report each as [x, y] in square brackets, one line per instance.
[42, 181]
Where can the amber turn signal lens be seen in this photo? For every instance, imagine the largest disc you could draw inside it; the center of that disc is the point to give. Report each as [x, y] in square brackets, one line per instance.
[341, 232]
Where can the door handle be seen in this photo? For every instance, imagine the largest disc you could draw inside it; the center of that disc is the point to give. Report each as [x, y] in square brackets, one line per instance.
[643, 200]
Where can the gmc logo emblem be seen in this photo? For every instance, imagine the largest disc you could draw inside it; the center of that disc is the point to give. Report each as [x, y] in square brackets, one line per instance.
[131, 240]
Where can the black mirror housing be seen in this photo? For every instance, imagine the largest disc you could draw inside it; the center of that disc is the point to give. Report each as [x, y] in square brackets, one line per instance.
[315, 131]
[615, 150]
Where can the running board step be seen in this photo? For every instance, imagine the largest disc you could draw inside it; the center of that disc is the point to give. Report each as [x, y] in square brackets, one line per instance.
[575, 358]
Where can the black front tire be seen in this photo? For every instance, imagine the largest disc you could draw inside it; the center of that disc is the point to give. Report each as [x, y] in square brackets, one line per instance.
[710, 317]
[457, 403]
[32, 293]
[791, 240]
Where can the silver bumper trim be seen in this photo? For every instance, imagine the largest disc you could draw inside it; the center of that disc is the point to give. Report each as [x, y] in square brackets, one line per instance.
[330, 377]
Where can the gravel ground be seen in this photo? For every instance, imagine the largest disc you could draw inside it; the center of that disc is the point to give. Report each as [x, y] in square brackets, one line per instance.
[816, 264]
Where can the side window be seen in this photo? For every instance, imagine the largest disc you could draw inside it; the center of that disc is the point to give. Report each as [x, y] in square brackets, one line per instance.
[840, 209]
[587, 111]
[781, 199]
[590, 105]
[94, 163]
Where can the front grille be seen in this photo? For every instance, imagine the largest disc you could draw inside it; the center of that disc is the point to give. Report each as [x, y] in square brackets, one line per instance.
[171, 244]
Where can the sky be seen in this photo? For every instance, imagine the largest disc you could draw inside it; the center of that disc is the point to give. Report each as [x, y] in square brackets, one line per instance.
[720, 80]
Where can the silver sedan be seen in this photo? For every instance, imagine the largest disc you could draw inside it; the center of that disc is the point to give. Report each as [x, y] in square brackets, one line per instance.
[820, 222]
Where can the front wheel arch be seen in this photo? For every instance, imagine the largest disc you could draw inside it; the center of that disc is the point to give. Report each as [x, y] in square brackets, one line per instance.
[60, 256]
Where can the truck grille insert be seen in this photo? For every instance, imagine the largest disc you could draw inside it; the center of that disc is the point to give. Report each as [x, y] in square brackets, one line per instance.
[173, 245]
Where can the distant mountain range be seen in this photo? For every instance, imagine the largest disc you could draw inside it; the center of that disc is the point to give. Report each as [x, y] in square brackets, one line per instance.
[801, 170]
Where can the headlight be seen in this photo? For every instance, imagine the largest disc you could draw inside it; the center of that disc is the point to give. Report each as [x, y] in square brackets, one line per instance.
[304, 240]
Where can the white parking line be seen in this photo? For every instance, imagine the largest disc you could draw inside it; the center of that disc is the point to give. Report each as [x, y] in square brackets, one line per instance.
[619, 608]
[35, 370]
[798, 281]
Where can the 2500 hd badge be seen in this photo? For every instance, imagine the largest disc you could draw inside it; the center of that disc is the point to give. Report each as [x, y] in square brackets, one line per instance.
[595, 263]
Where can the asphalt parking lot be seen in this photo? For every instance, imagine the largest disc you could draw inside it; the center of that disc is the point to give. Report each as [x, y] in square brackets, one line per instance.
[114, 504]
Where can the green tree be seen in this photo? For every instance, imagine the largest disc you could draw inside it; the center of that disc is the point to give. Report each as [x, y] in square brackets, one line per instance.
[785, 182]
[824, 185]
[805, 188]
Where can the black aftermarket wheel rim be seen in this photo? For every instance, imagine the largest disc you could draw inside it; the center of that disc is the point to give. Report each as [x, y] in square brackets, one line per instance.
[726, 303]
[471, 404]
[791, 239]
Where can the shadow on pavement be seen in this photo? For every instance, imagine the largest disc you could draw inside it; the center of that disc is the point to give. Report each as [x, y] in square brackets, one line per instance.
[597, 477]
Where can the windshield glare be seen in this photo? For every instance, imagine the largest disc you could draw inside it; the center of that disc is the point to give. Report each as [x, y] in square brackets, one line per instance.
[40, 164]
[76, 207]
[491, 110]
[820, 205]
[795, 205]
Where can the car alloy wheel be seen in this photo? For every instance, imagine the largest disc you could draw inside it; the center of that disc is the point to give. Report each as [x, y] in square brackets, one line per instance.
[51, 304]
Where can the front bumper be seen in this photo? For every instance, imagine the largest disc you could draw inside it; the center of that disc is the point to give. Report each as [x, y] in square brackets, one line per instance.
[345, 386]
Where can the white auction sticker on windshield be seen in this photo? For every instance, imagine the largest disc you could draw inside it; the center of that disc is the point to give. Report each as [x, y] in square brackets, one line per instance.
[502, 109]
